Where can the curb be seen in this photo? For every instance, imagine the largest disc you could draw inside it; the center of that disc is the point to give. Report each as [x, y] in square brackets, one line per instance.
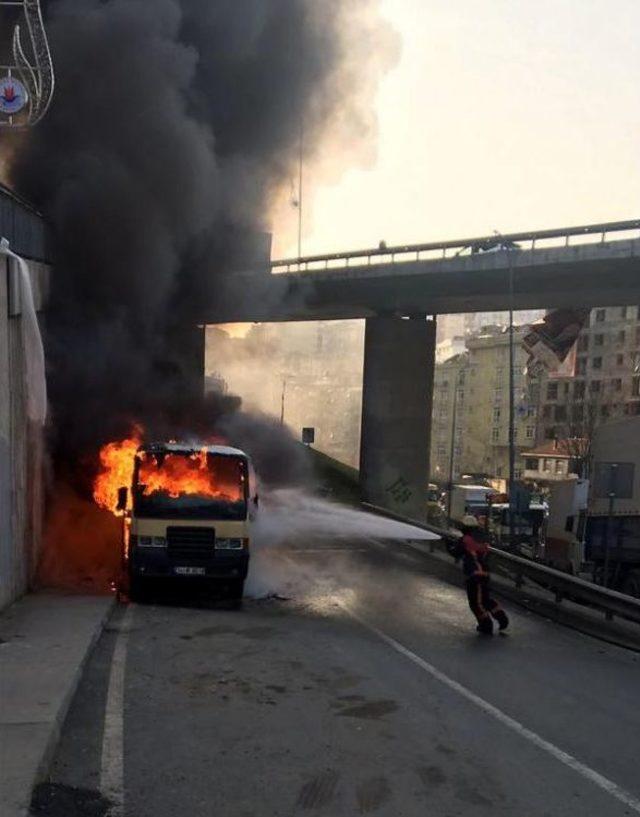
[43, 669]
[56, 727]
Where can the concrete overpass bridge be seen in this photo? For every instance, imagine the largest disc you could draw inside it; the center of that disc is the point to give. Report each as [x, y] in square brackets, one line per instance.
[586, 266]
[400, 290]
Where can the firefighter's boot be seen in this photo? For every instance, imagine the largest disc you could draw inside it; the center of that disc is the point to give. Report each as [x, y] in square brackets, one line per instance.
[502, 618]
[485, 626]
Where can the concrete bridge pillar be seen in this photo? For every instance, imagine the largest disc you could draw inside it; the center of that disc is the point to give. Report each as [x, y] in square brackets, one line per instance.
[399, 359]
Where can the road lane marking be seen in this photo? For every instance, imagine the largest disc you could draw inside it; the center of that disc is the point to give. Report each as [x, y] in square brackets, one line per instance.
[564, 757]
[112, 761]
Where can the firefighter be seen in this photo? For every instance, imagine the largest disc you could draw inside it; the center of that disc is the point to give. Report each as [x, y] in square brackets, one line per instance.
[473, 549]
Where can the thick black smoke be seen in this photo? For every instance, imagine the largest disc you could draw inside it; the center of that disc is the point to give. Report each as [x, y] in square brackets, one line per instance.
[174, 124]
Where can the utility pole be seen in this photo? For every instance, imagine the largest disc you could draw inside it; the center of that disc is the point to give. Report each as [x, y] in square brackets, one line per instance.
[613, 482]
[282, 397]
[512, 435]
[456, 386]
[300, 188]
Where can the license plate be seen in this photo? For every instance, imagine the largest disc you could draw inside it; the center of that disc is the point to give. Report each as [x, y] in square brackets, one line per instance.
[189, 571]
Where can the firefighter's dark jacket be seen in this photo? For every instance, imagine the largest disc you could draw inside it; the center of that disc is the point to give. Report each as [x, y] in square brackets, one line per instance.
[474, 554]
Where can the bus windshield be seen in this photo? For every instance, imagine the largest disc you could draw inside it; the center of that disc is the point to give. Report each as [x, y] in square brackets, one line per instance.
[190, 485]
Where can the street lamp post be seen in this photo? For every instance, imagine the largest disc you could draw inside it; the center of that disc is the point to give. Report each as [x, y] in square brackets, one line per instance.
[456, 386]
[300, 187]
[611, 494]
[512, 435]
[282, 399]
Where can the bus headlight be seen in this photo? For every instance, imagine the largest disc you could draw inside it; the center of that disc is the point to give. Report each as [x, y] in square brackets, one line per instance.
[229, 544]
[152, 542]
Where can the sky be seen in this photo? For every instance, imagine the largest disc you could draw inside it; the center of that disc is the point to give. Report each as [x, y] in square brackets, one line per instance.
[499, 115]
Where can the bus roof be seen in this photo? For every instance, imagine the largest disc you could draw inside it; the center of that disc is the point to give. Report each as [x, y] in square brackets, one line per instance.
[191, 448]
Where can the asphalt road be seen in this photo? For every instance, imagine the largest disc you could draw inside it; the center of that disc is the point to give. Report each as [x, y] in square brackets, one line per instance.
[368, 691]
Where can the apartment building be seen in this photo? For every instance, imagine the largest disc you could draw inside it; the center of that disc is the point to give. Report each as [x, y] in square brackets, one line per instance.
[602, 379]
[448, 388]
[477, 382]
[487, 409]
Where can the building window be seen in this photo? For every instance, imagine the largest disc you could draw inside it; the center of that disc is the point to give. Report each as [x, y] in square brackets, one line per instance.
[561, 413]
[616, 384]
[546, 412]
[531, 464]
[583, 343]
[619, 360]
[531, 411]
[601, 315]
[552, 391]
[581, 365]
[597, 362]
[529, 432]
[621, 337]
[560, 466]
[496, 415]
[623, 311]
[550, 433]
[594, 386]
[635, 386]
[578, 390]
[598, 340]
[577, 413]
[495, 434]
[546, 465]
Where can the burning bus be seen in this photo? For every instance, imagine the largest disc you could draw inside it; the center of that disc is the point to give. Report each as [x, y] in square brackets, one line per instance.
[187, 514]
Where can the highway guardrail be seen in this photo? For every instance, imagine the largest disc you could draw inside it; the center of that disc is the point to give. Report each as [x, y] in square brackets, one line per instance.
[527, 240]
[561, 585]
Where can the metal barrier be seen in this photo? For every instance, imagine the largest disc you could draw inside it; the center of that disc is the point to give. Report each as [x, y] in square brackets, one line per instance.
[561, 585]
[449, 249]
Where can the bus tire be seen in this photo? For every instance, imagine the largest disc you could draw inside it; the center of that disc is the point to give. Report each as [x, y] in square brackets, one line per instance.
[236, 590]
[631, 584]
[136, 588]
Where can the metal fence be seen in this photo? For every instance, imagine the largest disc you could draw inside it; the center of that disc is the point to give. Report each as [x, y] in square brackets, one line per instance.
[560, 585]
[24, 228]
[517, 242]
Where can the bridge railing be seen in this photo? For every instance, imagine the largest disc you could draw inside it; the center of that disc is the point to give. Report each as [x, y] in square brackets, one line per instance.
[516, 242]
[560, 585]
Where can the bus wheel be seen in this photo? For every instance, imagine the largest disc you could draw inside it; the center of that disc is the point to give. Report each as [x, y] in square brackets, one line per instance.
[136, 588]
[236, 589]
[631, 584]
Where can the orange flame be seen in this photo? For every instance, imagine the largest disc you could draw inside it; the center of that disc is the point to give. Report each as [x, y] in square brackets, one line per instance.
[180, 475]
[173, 474]
[116, 461]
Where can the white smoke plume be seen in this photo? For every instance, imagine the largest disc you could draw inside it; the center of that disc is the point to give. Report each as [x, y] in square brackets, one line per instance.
[288, 517]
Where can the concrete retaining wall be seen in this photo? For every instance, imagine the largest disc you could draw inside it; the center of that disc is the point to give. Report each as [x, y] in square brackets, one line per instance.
[21, 443]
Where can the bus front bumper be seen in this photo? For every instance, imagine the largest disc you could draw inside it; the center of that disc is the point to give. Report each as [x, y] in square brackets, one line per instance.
[156, 563]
